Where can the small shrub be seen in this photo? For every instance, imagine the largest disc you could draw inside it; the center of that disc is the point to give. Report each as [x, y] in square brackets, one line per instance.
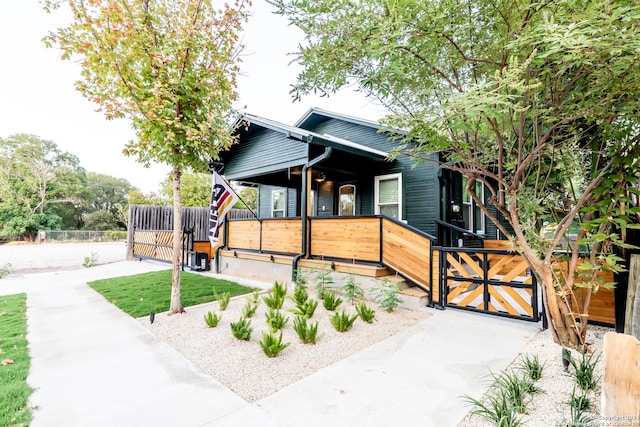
[272, 345]
[305, 309]
[91, 260]
[300, 295]
[300, 281]
[212, 319]
[306, 332]
[387, 296]
[322, 280]
[342, 322]
[250, 308]
[365, 312]
[352, 290]
[331, 301]
[255, 297]
[5, 270]
[275, 299]
[242, 329]
[580, 405]
[584, 371]
[496, 408]
[517, 389]
[223, 299]
[531, 366]
[276, 320]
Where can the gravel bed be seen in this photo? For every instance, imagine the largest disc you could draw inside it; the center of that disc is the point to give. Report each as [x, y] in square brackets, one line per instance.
[550, 408]
[244, 368]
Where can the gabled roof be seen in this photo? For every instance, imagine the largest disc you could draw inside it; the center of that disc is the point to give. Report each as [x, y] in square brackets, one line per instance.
[308, 118]
[309, 137]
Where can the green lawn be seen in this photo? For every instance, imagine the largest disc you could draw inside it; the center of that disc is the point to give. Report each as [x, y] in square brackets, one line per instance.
[14, 390]
[140, 294]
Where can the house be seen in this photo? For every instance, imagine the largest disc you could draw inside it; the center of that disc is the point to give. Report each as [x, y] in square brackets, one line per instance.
[348, 173]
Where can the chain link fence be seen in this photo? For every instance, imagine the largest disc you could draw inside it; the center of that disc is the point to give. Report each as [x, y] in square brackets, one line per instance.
[59, 236]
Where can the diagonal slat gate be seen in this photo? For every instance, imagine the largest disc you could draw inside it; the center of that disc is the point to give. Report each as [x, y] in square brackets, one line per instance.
[490, 281]
[157, 244]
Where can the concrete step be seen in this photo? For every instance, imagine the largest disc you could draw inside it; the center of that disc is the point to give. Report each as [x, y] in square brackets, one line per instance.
[413, 298]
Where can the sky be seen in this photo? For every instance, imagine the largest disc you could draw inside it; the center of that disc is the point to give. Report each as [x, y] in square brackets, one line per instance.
[37, 94]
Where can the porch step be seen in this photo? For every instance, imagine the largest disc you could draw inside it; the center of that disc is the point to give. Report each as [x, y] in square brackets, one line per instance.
[413, 298]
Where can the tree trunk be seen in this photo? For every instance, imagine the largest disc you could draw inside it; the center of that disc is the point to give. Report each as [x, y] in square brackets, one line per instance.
[176, 304]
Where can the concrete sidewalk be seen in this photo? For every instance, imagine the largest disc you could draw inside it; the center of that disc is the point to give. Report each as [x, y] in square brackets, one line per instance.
[93, 365]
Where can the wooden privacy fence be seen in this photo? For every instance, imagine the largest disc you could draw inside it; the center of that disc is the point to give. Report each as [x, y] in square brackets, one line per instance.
[374, 239]
[156, 244]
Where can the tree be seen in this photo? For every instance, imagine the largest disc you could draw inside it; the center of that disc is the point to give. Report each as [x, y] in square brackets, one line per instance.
[170, 67]
[536, 100]
[195, 189]
[38, 182]
[248, 197]
[109, 197]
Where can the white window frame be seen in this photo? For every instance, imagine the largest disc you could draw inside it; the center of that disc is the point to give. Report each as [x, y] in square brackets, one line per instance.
[284, 198]
[354, 199]
[379, 178]
[471, 206]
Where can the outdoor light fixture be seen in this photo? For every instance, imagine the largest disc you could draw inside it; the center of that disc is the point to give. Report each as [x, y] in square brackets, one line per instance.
[321, 178]
[455, 208]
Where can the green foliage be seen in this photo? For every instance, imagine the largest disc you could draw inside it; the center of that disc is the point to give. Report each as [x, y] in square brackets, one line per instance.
[223, 299]
[15, 391]
[212, 319]
[195, 188]
[322, 279]
[352, 289]
[249, 308]
[579, 407]
[386, 296]
[276, 320]
[475, 85]
[584, 370]
[139, 294]
[531, 366]
[306, 309]
[331, 301]
[272, 345]
[342, 322]
[507, 397]
[300, 281]
[308, 333]
[91, 260]
[242, 329]
[365, 312]
[300, 295]
[275, 299]
[5, 269]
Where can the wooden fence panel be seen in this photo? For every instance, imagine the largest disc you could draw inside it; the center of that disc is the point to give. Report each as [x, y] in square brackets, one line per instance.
[621, 380]
[282, 235]
[153, 244]
[406, 251]
[348, 238]
[244, 234]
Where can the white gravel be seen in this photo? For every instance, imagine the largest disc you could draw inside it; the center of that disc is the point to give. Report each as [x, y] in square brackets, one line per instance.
[550, 408]
[244, 368]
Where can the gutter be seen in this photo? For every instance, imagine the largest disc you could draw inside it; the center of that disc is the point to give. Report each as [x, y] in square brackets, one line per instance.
[324, 156]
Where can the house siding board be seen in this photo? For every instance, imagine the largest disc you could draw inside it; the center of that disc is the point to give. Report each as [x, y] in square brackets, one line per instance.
[421, 187]
[325, 198]
[263, 151]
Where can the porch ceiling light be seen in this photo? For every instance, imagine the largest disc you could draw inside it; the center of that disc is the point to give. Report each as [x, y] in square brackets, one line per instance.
[321, 178]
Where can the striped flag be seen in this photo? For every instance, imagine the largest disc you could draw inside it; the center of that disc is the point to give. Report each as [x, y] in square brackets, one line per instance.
[222, 199]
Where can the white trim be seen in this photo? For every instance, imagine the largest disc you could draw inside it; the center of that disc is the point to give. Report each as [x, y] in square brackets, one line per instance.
[379, 178]
[354, 199]
[284, 208]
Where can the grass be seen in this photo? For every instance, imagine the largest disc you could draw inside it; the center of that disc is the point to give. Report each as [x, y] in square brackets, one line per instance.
[142, 293]
[14, 390]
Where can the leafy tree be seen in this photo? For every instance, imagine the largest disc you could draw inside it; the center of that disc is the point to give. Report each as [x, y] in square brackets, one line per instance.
[170, 67]
[39, 183]
[248, 198]
[100, 220]
[536, 100]
[138, 198]
[195, 188]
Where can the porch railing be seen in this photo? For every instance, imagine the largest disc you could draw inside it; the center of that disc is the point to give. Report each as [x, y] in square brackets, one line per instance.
[374, 239]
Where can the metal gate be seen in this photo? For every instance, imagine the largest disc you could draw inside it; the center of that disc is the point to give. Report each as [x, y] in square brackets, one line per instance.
[490, 281]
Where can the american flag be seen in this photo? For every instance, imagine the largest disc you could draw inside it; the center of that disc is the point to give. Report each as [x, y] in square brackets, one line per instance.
[222, 199]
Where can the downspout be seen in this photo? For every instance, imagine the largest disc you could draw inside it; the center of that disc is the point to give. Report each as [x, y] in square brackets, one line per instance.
[303, 208]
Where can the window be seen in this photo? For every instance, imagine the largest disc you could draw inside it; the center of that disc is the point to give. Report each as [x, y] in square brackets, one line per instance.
[471, 213]
[347, 202]
[278, 203]
[388, 195]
